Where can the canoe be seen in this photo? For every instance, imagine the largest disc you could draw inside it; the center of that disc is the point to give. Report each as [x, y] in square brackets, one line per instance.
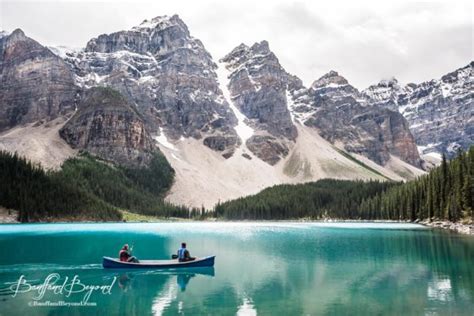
[113, 263]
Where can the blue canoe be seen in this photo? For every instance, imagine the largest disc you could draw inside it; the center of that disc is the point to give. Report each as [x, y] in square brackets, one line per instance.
[112, 263]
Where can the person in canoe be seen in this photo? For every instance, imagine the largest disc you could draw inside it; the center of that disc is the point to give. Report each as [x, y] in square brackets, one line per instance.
[183, 254]
[125, 254]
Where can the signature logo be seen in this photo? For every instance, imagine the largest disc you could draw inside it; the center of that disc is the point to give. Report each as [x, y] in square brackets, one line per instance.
[53, 283]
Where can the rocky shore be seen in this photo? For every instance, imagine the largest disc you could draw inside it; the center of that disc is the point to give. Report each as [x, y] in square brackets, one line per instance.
[466, 228]
[8, 216]
[462, 228]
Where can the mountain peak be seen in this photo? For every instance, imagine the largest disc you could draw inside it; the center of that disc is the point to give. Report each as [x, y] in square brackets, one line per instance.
[258, 53]
[460, 74]
[147, 37]
[28, 44]
[16, 35]
[261, 47]
[332, 78]
[160, 22]
[258, 48]
[389, 82]
[237, 51]
[176, 18]
[18, 32]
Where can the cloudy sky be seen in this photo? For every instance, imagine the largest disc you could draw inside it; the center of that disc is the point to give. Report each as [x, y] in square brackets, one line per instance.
[365, 41]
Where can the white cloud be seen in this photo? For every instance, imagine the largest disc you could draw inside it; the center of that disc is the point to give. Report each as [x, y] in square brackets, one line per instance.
[363, 40]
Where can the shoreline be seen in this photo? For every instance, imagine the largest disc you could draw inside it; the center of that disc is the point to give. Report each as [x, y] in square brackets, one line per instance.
[460, 228]
[456, 227]
[11, 217]
[8, 216]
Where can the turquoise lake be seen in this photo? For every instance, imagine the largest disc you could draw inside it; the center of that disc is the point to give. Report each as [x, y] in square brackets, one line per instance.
[262, 268]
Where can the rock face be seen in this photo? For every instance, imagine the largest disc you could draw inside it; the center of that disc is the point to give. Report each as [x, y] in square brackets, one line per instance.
[168, 75]
[386, 94]
[108, 126]
[273, 101]
[35, 84]
[439, 112]
[267, 148]
[165, 85]
[169, 78]
[342, 114]
[259, 88]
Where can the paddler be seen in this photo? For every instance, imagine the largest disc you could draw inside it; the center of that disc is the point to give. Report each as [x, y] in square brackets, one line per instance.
[125, 255]
[183, 253]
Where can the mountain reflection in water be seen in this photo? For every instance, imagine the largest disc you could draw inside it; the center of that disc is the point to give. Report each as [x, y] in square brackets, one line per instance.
[261, 268]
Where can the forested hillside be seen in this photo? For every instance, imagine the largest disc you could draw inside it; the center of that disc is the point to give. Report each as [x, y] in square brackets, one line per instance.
[85, 189]
[316, 200]
[445, 193]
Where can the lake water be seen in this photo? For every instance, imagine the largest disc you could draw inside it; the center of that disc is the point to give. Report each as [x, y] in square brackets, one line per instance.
[263, 268]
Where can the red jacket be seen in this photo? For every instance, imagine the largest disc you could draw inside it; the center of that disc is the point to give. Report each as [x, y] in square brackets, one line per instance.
[124, 255]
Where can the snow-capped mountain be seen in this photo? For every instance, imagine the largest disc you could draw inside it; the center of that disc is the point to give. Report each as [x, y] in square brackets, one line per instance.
[344, 116]
[35, 84]
[273, 101]
[386, 93]
[168, 75]
[238, 125]
[335, 87]
[258, 87]
[440, 112]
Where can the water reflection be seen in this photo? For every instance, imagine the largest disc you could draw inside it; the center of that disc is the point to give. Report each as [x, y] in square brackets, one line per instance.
[124, 281]
[183, 280]
[247, 308]
[440, 290]
[183, 276]
[264, 270]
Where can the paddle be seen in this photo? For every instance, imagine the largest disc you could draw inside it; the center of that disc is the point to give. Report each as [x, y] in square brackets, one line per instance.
[174, 256]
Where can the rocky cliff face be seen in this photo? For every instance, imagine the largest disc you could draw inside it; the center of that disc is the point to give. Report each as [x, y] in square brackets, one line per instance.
[108, 126]
[439, 112]
[386, 94]
[273, 101]
[343, 115]
[168, 88]
[259, 87]
[170, 79]
[168, 75]
[35, 84]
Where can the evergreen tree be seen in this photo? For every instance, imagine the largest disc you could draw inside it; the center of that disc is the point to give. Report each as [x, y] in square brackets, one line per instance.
[445, 192]
[85, 188]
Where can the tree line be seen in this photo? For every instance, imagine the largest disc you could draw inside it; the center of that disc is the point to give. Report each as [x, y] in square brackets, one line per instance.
[89, 189]
[85, 189]
[445, 193]
[325, 198]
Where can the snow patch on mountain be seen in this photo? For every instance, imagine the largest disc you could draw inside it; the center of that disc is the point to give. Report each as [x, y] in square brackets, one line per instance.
[163, 140]
[243, 129]
[291, 106]
[440, 112]
[65, 51]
